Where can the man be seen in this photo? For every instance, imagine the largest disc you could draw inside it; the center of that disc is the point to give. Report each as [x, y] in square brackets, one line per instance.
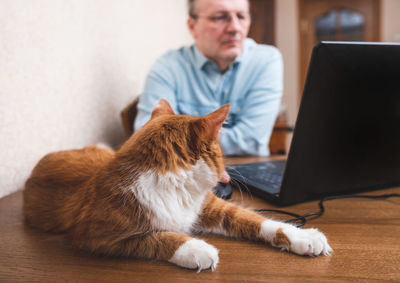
[221, 67]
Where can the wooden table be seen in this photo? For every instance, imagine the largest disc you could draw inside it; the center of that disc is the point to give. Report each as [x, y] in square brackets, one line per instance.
[363, 233]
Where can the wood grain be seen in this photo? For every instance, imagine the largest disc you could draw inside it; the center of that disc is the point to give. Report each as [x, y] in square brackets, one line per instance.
[363, 233]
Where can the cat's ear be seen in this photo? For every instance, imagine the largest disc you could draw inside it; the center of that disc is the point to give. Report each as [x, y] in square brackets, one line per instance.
[161, 108]
[215, 120]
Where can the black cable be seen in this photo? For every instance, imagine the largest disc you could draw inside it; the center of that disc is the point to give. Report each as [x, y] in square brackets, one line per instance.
[303, 218]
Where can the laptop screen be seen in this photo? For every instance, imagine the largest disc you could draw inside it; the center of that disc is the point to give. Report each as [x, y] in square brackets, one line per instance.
[347, 134]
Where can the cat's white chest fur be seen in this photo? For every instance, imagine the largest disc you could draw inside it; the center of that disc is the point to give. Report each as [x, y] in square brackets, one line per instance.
[175, 199]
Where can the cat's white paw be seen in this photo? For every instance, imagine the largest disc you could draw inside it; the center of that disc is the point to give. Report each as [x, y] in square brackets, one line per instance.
[196, 254]
[309, 242]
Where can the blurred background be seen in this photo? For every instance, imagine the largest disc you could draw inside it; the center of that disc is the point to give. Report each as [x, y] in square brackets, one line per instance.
[69, 67]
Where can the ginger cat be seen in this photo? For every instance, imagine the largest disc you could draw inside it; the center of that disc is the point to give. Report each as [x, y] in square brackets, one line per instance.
[146, 199]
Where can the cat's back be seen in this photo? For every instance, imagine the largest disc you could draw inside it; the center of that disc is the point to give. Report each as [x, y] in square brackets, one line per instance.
[53, 182]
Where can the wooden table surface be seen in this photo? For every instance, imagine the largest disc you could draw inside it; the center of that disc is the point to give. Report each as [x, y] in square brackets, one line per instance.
[363, 233]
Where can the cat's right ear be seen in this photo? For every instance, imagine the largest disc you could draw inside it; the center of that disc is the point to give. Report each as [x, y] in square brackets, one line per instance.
[162, 108]
[215, 120]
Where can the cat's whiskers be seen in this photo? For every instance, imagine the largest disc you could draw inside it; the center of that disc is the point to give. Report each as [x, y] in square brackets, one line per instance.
[240, 184]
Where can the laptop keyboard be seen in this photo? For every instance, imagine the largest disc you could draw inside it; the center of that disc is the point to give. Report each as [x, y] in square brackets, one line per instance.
[265, 175]
[272, 178]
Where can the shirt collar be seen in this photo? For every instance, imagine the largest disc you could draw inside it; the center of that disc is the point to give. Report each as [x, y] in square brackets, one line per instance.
[201, 60]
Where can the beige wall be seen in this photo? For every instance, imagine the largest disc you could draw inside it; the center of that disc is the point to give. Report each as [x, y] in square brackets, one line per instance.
[67, 69]
[287, 41]
[390, 20]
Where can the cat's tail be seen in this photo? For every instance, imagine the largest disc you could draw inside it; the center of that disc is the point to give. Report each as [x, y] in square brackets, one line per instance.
[43, 205]
[52, 197]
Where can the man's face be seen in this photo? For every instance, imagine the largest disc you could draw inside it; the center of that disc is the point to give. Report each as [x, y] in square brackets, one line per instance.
[219, 28]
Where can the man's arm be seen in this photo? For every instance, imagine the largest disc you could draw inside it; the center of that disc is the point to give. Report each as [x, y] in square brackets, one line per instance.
[253, 127]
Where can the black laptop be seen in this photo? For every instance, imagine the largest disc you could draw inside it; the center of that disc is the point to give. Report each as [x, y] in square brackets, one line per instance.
[347, 134]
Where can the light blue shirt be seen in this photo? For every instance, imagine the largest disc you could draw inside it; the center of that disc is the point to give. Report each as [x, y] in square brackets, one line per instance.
[193, 85]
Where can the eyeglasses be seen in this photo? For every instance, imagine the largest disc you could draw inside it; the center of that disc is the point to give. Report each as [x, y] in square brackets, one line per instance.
[225, 18]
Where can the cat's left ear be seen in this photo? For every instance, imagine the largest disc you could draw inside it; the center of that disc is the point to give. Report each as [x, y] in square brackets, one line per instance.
[215, 119]
[161, 108]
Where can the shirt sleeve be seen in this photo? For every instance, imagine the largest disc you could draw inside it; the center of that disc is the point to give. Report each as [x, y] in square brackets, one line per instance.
[256, 117]
[160, 83]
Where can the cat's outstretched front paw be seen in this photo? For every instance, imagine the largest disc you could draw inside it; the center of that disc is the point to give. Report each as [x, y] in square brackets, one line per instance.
[309, 242]
[196, 254]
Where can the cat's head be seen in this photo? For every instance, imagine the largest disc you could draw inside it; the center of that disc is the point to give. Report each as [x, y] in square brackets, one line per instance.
[170, 142]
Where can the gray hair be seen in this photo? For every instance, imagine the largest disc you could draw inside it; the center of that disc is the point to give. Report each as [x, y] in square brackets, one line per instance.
[191, 8]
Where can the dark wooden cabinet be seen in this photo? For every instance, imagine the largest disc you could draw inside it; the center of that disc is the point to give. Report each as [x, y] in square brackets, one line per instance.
[262, 28]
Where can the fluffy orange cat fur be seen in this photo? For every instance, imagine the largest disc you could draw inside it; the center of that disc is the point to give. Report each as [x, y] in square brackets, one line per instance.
[147, 199]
